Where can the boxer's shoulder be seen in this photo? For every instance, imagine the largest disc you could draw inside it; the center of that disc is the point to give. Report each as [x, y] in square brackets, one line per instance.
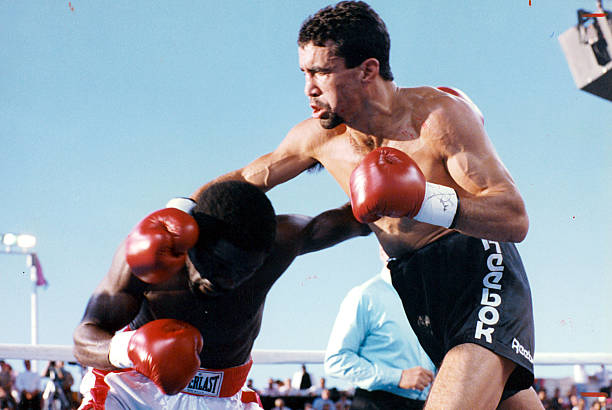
[310, 135]
[425, 101]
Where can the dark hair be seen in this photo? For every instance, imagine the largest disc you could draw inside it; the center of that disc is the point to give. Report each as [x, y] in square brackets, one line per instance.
[236, 211]
[359, 34]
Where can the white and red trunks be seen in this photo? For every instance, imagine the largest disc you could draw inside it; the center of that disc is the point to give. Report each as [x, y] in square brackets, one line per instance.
[210, 389]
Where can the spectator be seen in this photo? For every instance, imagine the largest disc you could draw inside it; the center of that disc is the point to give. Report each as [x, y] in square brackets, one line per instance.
[603, 377]
[301, 379]
[543, 396]
[279, 404]
[317, 390]
[556, 401]
[343, 403]
[271, 390]
[596, 405]
[573, 391]
[287, 390]
[74, 397]
[577, 403]
[324, 401]
[28, 386]
[7, 382]
[251, 386]
[55, 395]
[373, 346]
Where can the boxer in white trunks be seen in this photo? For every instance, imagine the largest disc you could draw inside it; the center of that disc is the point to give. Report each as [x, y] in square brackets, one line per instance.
[188, 287]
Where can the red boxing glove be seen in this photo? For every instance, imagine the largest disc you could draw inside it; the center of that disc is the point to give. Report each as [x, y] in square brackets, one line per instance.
[457, 92]
[157, 247]
[165, 350]
[389, 183]
[386, 183]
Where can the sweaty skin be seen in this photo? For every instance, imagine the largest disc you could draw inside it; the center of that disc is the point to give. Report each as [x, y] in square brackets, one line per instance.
[439, 131]
[228, 321]
[355, 111]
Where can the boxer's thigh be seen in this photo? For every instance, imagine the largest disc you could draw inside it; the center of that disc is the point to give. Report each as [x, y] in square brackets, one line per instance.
[524, 400]
[471, 377]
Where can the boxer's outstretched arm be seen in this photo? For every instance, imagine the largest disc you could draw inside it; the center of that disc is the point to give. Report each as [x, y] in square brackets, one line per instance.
[327, 229]
[114, 303]
[490, 204]
[288, 160]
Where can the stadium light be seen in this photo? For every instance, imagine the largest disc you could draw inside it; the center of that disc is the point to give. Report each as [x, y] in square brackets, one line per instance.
[23, 244]
[26, 241]
[9, 239]
[23, 241]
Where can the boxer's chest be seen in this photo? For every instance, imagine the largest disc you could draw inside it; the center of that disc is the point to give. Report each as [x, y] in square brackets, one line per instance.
[343, 153]
[224, 314]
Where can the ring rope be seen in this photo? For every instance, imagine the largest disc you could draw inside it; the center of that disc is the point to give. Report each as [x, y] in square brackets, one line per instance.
[270, 356]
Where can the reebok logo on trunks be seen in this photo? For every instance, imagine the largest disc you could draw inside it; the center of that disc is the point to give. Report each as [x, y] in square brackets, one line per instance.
[519, 349]
[488, 314]
[205, 383]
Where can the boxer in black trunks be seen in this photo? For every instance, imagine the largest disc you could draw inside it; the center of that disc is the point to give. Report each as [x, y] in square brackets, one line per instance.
[218, 291]
[461, 289]
[457, 180]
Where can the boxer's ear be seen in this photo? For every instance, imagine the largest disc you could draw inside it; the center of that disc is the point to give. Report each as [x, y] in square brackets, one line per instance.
[369, 70]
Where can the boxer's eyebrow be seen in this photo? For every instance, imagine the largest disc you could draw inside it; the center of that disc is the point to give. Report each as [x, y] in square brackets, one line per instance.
[317, 69]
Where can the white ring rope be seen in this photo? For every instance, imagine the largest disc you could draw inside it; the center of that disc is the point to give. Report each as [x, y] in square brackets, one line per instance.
[261, 356]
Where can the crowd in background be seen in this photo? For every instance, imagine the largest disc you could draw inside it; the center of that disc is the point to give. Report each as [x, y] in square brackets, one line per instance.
[53, 389]
[576, 395]
[287, 395]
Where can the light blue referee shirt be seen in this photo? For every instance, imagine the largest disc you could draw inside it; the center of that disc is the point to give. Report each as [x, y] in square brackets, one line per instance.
[372, 341]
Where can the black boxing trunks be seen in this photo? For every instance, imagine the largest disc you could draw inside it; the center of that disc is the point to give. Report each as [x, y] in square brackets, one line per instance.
[461, 289]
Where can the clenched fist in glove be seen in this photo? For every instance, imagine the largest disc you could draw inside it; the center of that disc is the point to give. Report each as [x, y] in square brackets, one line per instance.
[157, 247]
[389, 183]
[165, 350]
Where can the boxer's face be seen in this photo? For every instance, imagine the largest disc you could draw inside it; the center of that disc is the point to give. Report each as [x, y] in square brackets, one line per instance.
[333, 90]
[223, 267]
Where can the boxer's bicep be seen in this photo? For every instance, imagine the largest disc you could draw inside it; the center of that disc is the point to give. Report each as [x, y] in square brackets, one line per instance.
[469, 155]
[490, 204]
[114, 303]
[478, 174]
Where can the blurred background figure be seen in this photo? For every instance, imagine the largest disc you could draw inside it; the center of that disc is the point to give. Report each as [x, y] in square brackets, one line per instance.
[577, 403]
[543, 396]
[343, 403]
[56, 395]
[271, 389]
[279, 404]
[251, 386]
[556, 402]
[286, 389]
[318, 389]
[322, 402]
[301, 379]
[28, 386]
[7, 385]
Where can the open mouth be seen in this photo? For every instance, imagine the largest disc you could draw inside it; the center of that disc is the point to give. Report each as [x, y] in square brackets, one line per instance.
[316, 111]
[320, 112]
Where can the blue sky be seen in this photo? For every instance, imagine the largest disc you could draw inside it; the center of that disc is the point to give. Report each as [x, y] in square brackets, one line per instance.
[109, 109]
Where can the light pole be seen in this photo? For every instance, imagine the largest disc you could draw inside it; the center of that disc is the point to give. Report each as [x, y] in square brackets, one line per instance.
[23, 244]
